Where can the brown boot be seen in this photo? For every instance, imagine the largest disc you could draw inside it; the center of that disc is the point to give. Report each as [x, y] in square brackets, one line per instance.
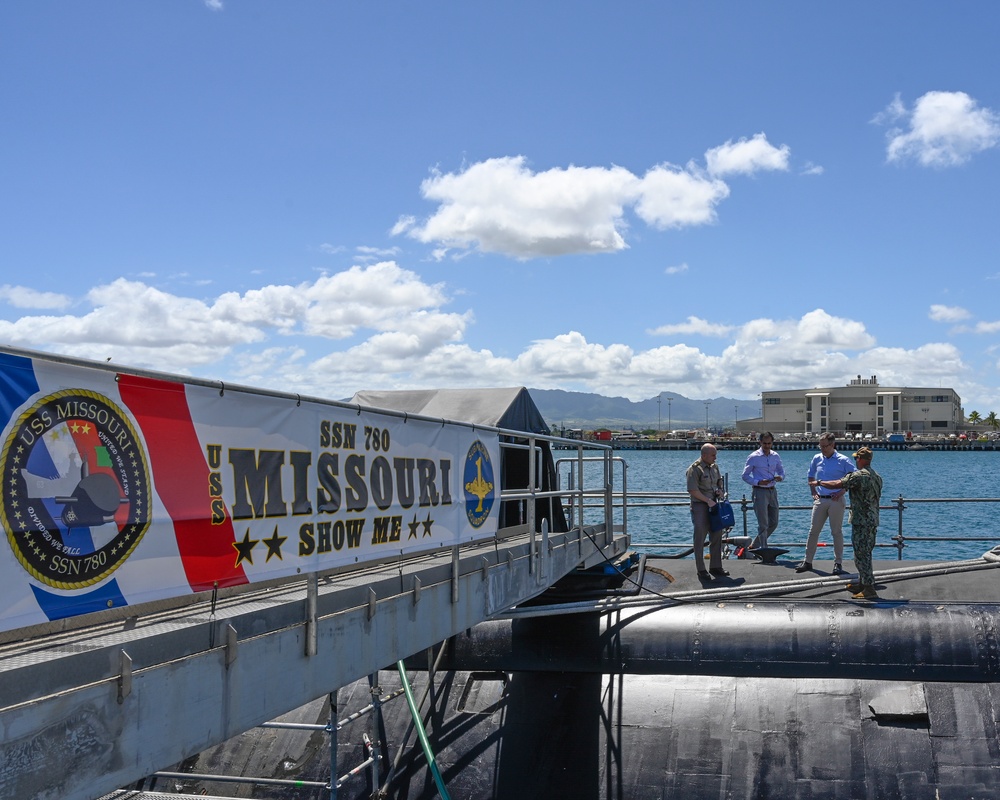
[867, 593]
[854, 587]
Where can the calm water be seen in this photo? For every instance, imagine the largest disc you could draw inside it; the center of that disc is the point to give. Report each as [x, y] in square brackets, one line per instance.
[923, 474]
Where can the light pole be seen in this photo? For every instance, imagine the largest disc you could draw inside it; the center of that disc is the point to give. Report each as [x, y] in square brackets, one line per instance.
[707, 404]
[736, 411]
[670, 426]
[659, 400]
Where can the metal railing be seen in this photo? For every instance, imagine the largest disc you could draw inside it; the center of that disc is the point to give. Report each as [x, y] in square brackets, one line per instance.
[898, 541]
[624, 502]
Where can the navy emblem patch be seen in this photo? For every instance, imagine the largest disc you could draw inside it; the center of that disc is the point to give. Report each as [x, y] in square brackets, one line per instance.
[479, 485]
[75, 499]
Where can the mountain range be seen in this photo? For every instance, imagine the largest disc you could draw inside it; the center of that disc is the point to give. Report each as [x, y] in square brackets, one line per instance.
[562, 409]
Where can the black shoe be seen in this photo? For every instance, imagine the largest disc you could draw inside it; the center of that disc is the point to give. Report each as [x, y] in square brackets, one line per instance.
[805, 566]
[720, 572]
[703, 575]
[838, 569]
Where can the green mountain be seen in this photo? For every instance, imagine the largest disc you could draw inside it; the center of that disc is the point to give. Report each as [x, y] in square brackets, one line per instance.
[562, 409]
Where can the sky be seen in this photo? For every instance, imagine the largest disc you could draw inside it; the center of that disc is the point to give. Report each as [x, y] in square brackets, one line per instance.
[703, 198]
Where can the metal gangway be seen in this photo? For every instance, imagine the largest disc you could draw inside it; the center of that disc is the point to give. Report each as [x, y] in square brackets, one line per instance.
[92, 704]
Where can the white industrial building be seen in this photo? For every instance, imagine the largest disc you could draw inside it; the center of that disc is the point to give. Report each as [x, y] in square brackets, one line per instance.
[860, 407]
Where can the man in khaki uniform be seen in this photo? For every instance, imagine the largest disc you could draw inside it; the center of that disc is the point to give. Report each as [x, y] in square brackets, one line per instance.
[704, 484]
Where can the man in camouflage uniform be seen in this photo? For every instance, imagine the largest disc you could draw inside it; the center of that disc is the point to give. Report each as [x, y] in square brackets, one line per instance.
[865, 488]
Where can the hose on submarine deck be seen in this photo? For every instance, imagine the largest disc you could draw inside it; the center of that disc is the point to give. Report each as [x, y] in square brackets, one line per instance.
[988, 560]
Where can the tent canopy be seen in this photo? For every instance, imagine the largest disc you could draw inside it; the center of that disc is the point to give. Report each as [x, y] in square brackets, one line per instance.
[510, 407]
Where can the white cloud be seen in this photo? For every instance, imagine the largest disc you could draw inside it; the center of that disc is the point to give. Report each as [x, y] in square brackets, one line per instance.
[141, 325]
[215, 5]
[368, 254]
[940, 313]
[676, 270]
[944, 129]
[746, 157]
[987, 327]
[23, 297]
[381, 326]
[670, 197]
[812, 169]
[501, 206]
[694, 326]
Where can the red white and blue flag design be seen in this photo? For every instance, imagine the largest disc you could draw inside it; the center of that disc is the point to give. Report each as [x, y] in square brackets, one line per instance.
[119, 488]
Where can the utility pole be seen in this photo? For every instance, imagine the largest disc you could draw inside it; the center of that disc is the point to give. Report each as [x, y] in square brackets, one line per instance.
[707, 404]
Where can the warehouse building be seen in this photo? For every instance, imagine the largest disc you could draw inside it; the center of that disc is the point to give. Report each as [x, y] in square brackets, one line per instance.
[860, 407]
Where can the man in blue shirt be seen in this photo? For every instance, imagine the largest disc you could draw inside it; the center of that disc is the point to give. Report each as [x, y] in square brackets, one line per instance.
[830, 504]
[762, 471]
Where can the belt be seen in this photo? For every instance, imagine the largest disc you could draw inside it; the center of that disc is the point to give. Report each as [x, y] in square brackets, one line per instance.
[827, 497]
[759, 488]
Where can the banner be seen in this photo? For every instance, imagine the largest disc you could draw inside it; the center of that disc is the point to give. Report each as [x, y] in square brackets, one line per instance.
[119, 489]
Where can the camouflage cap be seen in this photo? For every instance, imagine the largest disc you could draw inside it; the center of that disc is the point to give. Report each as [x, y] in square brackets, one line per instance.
[863, 452]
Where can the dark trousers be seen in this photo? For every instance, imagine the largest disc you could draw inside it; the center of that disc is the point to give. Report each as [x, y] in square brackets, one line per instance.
[699, 516]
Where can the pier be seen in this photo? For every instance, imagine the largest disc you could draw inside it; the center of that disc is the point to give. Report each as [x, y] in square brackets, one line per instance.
[806, 443]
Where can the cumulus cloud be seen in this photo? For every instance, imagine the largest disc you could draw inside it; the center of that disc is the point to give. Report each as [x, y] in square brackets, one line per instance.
[23, 297]
[817, 349]
[382, 327]
[944, 129]
[676, 269]
[746, 157]
[144, 326]
[670, 197]
[502, 206]
[940, 313]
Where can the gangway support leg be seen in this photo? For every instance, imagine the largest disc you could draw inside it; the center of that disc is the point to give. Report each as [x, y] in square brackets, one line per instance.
[333, 745]
[377, 726]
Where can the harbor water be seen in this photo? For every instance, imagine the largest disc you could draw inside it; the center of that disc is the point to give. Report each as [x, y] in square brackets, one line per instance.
[912, 474]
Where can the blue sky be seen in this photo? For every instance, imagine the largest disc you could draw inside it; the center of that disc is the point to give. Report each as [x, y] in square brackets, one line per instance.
[711, 199]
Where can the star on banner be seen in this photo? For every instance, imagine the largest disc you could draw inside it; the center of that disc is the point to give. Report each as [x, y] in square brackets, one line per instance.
[274, 545]
[413, 526]
[245, 548]
[427, 524]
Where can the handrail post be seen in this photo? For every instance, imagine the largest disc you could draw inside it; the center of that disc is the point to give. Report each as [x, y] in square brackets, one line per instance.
[899, 534]
[624, 496]
[532, 479]
[609, 518]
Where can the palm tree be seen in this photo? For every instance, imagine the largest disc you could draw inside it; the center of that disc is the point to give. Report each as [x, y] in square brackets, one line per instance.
[974, 418]
[992, 421]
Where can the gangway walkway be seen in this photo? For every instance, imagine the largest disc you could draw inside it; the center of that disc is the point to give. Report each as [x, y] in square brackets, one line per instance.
[86, 711]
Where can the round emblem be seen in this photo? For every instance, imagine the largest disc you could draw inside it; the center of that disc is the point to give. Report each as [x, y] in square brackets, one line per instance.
[75, 496]
[479, 485]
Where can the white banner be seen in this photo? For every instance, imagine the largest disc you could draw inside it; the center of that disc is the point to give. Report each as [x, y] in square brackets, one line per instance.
[119, 489]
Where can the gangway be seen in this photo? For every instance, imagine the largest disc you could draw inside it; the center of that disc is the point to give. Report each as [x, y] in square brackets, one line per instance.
[95, 700]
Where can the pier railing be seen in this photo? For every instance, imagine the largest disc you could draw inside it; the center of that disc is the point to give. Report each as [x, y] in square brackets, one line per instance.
[628, 505]
[898, 541]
